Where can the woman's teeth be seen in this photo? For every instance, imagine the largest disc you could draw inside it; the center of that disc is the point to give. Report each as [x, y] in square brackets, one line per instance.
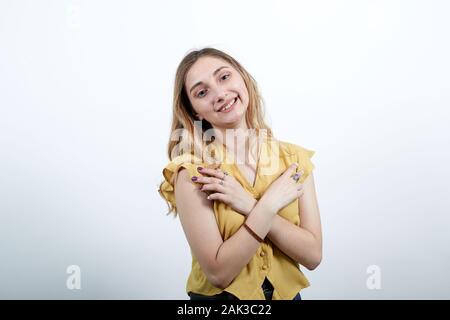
[228, 106]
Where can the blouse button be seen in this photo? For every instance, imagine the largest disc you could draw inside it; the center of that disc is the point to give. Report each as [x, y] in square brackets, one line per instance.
[262, 254]
[264, 267]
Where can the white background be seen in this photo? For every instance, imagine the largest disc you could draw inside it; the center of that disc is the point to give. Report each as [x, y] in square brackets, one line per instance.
[85, 95]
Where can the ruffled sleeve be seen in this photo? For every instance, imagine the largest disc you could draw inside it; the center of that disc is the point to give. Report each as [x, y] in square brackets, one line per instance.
[170, 172]
[304, 156]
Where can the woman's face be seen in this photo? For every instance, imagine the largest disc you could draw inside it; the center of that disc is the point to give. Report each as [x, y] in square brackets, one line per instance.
[212, 85]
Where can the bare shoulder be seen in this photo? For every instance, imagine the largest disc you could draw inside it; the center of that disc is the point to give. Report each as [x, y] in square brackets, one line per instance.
[187, 193]
[309, 208]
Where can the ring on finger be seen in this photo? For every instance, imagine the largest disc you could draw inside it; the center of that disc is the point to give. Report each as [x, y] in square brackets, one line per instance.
[224, 175]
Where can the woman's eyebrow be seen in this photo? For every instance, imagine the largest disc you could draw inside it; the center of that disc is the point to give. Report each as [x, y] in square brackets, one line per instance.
[214, 73]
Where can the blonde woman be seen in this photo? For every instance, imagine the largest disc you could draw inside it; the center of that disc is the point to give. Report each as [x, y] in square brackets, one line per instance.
[246, 201]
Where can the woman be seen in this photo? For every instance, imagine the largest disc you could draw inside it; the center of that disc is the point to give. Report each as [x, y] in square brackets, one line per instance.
[248, 208]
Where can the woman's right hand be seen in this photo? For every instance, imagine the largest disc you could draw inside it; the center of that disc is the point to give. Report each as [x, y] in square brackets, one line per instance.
[283, 190]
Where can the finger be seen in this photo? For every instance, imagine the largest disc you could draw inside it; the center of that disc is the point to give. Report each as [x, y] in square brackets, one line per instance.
[213, 187]
[290, 170]
[211, 172]
[205, 180]
[296, 177]
[217, 196]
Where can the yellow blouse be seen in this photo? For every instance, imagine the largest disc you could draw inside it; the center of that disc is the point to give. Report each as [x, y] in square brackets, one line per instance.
[282, 271]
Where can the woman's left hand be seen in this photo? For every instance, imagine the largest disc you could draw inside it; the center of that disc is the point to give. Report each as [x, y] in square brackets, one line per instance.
[226, 189]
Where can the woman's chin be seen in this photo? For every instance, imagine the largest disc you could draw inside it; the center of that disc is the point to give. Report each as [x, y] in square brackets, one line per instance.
[234, 122]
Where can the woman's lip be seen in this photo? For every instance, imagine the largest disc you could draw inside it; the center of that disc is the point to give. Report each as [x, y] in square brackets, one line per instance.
[232, 106]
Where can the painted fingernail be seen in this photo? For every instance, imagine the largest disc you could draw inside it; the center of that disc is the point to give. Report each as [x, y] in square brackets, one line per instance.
[199, 168]
[194, 178]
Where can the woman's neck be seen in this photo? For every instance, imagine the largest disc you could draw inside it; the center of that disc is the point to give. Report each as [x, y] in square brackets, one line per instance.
[241, 143]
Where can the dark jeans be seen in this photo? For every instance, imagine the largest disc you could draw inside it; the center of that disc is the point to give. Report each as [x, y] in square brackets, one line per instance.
[267, 288]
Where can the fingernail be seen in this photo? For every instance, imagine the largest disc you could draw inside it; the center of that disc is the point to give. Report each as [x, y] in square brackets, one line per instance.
[295, 165]
[194, 178]
[199, 168]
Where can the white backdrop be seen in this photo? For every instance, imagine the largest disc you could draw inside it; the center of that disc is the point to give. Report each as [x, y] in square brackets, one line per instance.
[85, 96]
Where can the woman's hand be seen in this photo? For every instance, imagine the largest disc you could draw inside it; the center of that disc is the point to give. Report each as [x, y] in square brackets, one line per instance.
[226, 189]
[283, 190]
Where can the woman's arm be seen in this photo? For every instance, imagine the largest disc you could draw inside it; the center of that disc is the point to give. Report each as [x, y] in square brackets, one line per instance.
[221, 260]
[302, 243]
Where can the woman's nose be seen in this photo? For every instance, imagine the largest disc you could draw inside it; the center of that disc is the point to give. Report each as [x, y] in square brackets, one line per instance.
[221, 98]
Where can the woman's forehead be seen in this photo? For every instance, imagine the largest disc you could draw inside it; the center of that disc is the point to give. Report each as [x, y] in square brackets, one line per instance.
[204, 67]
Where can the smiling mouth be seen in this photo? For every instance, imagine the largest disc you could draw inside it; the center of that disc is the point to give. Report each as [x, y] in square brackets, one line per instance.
[228, 106]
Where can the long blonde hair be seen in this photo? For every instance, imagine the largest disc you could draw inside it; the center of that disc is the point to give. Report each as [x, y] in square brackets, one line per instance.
[183, 114]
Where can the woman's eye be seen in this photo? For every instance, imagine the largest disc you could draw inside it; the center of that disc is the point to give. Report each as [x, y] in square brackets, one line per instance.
[199, 95]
